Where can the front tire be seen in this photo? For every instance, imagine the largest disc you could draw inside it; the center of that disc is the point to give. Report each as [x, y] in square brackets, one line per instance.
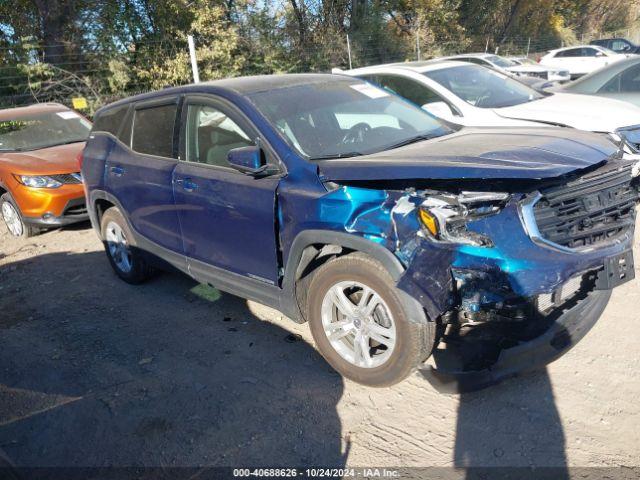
[13, 219]
[125, 258]
[360, 324]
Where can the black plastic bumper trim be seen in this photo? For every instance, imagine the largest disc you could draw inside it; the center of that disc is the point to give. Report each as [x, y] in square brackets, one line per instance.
[56, 221]
[568, 330]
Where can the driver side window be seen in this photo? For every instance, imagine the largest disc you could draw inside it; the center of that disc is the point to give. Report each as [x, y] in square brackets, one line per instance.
[408, 89]
[627, 81]
[211, 134]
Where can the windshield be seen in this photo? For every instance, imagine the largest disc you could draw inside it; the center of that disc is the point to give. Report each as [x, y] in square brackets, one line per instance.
[41, 130]
[501, 61]
[606, 50]
[482, 87]
[343, 118]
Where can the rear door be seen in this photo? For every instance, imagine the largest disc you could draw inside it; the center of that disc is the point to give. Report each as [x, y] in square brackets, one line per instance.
[570, 59]
[593, 59]
[139, 171]
[227, 218]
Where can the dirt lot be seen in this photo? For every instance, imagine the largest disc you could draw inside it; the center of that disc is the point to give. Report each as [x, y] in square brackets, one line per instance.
[96, 372]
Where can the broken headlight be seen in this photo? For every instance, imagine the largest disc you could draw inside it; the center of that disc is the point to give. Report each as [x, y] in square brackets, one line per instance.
[444, 217]
[628, 138]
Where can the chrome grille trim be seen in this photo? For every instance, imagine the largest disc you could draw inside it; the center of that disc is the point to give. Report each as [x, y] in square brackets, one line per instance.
[568, 218]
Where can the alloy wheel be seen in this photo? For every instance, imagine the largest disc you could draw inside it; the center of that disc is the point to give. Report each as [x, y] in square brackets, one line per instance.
[12, 219]
[358, 324]
[119, 248]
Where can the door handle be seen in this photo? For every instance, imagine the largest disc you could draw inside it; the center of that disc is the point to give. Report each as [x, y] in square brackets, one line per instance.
[187, 184]
[117, 171]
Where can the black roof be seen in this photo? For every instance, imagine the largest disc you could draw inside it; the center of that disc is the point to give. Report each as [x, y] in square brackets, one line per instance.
[240, 85]
[260, 83]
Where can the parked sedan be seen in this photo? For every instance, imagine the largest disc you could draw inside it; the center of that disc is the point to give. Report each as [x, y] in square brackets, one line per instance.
[40, 181]
[582, 59]
[472, 95]
[533, 69]
[620, 81]
[510, 67]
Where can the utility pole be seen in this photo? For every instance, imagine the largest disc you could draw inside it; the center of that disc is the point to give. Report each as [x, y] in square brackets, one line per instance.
[528, 46]
[418, 39]
[194, 63]
[349, 51]
[486, 47]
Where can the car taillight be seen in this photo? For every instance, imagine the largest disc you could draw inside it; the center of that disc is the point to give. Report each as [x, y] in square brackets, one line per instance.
[79, 160]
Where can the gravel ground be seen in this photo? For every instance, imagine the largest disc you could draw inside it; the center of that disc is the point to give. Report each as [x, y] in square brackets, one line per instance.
[95, 372]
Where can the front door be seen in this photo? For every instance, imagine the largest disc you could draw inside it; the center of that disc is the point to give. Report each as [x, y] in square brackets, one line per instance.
[227, 218]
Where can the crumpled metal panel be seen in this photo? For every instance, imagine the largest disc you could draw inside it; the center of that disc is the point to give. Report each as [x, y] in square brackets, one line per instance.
[389, 218]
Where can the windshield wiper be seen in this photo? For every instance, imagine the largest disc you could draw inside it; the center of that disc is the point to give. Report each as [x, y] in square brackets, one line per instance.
[409, 141]
[331, 156]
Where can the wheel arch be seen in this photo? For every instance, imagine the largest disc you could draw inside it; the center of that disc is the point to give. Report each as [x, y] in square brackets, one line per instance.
[312, 248]
[99, 202]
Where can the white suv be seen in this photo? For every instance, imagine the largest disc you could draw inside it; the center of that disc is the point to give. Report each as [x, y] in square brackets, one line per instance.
[471, 95]
[582, 59]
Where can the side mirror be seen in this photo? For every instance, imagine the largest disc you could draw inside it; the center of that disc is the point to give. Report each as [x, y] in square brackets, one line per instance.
[249, 160]
[600, 54]
[439, 109]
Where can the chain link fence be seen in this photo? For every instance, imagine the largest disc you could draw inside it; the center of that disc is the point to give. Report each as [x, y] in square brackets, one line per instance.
[103, 77]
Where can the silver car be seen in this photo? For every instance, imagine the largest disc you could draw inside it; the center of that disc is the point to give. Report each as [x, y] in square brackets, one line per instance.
[620, 80]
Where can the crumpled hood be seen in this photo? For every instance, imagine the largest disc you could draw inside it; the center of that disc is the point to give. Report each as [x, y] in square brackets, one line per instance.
[479, 153]
[46, 161]
[584, 112]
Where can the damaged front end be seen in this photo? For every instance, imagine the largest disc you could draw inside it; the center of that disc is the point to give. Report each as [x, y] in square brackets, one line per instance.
[513, 279]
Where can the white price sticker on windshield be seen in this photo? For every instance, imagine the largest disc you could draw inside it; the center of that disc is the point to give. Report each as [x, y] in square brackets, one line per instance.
[67, 115]
[369, 90]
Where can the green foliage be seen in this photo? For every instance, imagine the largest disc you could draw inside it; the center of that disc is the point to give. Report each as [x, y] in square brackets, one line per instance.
[56, 49]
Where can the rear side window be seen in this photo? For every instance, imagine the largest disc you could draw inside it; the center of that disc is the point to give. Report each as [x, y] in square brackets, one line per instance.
[589, 52]
[627, 81]
[573, 52]
[153, 130]
[110, 120]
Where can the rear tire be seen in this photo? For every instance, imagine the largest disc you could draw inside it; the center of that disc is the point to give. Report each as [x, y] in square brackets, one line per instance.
[365, 334]
[126, 259]
[13, 218]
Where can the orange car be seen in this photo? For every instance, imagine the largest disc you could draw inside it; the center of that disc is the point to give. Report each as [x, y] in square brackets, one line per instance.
[40, 182]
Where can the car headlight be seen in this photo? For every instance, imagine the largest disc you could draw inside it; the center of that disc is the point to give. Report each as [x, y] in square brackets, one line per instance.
[38, 181]
[444, 217]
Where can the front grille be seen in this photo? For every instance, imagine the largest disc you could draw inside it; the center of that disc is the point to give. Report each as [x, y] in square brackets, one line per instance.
[68, 178]
[589, 211]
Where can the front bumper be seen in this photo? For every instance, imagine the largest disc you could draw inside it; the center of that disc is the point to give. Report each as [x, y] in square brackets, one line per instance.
[567, 330]
[74, 211]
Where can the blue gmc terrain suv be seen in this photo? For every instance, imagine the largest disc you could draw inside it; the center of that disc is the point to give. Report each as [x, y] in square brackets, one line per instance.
[396, 236]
